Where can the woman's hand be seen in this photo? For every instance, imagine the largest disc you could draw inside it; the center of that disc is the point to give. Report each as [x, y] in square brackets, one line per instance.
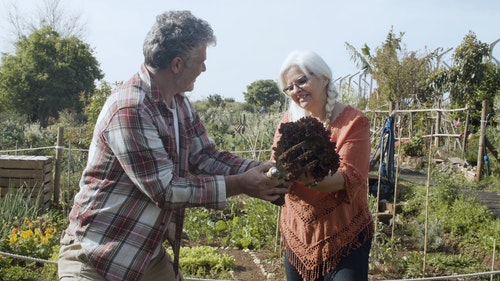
[307, 179]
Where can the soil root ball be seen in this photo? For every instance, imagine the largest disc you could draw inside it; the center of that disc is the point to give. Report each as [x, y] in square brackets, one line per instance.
[305, 146]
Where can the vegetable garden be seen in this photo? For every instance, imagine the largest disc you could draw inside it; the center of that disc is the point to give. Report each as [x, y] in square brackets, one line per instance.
[438, 120]
[436, 231]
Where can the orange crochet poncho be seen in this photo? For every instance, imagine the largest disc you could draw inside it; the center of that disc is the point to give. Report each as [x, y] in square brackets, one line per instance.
[318, 229]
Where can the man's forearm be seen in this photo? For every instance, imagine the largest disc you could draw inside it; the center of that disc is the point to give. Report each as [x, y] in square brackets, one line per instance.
[233, 185]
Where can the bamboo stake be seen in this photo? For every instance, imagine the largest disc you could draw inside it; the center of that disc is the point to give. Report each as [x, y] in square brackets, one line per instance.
[482, 134]
[396, 186]
[377, 205]
[277, 245]
[493, 259]
[426, 227]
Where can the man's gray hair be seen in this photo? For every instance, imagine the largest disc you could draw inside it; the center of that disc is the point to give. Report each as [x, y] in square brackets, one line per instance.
[175, 34]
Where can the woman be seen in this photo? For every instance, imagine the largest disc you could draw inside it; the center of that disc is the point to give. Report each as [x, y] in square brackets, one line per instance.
[326, 226]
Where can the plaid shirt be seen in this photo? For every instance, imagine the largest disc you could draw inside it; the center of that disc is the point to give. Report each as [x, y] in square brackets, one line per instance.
[135, 178]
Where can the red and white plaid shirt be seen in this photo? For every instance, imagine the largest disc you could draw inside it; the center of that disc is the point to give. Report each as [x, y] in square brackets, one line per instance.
[137, 176]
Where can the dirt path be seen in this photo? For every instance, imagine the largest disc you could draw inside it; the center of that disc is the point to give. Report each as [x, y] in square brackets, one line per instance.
[246, 269]
[490, 199]
[412, 176]
[256, 265]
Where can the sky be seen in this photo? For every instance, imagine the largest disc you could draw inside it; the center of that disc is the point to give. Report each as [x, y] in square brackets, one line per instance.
[255, 36]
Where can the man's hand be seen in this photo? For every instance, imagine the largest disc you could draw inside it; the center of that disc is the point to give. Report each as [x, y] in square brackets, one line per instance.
[255, 183]
[273, 172]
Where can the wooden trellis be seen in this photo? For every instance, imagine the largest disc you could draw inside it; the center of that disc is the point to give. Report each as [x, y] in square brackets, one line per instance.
[446, 132]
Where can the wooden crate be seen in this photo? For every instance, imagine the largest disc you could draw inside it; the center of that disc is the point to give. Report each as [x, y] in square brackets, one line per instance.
[29, 174]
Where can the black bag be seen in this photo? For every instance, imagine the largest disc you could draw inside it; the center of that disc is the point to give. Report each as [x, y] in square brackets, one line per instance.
[386, 188]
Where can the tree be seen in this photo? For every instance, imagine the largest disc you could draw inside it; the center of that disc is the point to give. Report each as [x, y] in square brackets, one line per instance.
[216, 101]
[400, 75]
[363, 60]
[264, 94]
[47, 13]
[469, 66]
[472, 77]
[94, 102]
[46, 74]
[489, 87]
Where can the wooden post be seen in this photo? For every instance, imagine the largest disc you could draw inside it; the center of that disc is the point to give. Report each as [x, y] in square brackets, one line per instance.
[410, 128]
[57, 173]
[438, 126]
[466, 129]
[481, 141]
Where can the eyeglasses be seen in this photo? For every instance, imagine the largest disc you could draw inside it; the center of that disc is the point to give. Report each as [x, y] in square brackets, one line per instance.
[300, 83]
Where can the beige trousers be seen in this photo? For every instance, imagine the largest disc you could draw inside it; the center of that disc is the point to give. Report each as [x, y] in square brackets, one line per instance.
[72, 265]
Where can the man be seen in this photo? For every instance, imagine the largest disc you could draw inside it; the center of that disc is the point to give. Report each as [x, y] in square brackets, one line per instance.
[150, 158]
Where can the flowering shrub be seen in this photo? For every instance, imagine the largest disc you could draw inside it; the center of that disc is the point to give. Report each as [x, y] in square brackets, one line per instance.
[33, 238]
[414, 147]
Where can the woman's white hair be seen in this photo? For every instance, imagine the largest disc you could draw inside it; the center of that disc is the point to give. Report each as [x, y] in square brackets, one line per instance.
[309, 63]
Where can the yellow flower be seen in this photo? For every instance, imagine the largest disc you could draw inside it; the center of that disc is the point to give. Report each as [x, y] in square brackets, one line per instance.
[48, 231]
[44, 240]
[38, 236]
[27, 234]
[13, 238]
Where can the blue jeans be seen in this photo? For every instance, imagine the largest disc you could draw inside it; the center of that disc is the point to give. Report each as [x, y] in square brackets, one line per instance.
[351, 268]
